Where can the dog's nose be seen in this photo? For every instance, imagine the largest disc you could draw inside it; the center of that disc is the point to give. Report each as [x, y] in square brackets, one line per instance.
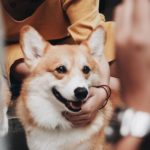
[80, 93]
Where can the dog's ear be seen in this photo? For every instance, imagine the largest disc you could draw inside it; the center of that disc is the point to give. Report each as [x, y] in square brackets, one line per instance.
[32, 44]
[96, 41]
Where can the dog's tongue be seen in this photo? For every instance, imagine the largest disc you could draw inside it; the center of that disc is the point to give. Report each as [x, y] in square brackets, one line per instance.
[74, 106]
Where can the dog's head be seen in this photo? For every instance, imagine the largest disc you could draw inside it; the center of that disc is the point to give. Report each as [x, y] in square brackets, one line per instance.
[64, 73]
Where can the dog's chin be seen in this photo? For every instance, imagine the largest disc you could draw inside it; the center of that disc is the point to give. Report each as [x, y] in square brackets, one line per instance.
[71, 105]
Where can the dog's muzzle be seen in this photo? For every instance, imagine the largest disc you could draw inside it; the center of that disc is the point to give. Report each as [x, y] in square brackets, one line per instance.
[74, 106]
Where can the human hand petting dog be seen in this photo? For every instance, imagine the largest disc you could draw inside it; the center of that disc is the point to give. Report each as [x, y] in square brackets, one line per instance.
[96, 100]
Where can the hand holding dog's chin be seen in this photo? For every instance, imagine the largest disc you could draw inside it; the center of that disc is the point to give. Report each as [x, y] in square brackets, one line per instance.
[89, 109]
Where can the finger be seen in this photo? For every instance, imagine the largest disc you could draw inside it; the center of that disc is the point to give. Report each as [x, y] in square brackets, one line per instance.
[125, 24]
[78, 121]
[141, 31]
[81, 124]
[142, 13]
[77, 114]
[78, 118]
[118, 17]
[83, 120]
[127, 15]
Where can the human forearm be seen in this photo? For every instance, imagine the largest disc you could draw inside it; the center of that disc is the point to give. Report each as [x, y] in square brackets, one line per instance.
[83, 17]
[132, 44]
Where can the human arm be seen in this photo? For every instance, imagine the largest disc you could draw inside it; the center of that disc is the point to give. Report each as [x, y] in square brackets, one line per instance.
[133, 56]
[133, 45]
[84, 17]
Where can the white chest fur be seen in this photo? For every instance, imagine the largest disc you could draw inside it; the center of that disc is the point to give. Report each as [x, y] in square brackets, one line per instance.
[52, 131]
[64, 139]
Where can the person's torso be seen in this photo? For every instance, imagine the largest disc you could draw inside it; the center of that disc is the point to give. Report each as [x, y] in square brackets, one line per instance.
[47, 16]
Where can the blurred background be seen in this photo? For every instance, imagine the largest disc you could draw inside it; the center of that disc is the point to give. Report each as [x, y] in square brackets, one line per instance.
[107, 8]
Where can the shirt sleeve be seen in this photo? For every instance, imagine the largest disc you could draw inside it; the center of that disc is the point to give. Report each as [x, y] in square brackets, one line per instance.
[84, 16]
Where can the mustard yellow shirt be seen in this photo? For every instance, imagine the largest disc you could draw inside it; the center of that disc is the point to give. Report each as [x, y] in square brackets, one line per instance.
[56, 19]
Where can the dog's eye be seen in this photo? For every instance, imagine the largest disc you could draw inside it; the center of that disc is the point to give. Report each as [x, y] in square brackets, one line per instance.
[61, 69]
[86, 69]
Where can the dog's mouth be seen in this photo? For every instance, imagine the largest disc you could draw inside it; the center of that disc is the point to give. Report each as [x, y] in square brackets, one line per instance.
[71, 105]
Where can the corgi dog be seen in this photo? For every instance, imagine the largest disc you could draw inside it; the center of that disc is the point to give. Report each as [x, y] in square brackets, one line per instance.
[60, 79]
